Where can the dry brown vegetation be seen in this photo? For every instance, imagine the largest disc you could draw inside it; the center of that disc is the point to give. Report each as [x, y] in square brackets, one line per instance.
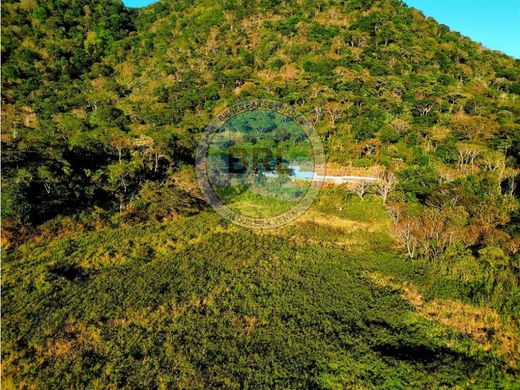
[484, 325]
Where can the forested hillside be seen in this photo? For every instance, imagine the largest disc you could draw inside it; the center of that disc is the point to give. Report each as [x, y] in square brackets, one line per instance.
[102, 103]
[102, 107]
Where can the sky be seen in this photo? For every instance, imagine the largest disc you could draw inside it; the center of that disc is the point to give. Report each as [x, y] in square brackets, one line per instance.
[137, 3]
[494, 23]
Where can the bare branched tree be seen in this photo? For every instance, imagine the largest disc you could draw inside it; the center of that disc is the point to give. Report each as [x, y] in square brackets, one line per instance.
[404, 231]
[467, 155]
[425, 110]
[334, 110]
[360, 188]
[496, 163]
[512, 185]
[317, 114]
[385, 185]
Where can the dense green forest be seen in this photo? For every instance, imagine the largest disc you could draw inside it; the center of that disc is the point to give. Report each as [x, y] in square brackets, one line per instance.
[116, 274]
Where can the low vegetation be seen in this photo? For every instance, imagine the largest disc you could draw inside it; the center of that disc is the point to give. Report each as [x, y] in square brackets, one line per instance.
[116, 273]
[198, 303]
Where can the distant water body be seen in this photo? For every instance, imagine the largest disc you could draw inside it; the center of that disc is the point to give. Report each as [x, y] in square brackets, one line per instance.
[298, 174]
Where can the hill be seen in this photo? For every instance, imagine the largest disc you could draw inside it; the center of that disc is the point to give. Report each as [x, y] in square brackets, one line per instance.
[118, 273]
[199, 303]
[94, 93]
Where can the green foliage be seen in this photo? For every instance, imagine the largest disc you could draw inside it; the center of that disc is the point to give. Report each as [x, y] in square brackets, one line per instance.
[418, 181]
[198, 304]
[320, 67]
[102, 107]
[320, 33]
[84, 83]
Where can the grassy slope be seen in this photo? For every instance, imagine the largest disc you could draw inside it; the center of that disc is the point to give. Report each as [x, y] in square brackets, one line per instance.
[197, 303]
